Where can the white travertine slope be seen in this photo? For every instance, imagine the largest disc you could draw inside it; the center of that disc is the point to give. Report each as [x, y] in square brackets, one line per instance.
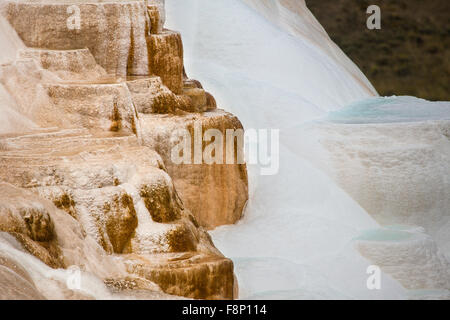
[297, 238]
[294, 17]
[392, 155]
[294, 240]
[259, 53]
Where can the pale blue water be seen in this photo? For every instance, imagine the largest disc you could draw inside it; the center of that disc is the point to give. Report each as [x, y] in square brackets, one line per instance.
[385, 234]
[390, 110]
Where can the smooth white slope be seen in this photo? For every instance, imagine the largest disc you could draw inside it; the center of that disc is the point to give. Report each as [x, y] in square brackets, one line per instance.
[229, 35]
[295, 238]
[294, 17]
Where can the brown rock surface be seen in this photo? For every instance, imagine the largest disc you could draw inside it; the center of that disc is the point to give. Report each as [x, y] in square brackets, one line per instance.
[199, 276]
[120, 195]
[215, 193]
[167, 59]
[115, 32]
[80, 178]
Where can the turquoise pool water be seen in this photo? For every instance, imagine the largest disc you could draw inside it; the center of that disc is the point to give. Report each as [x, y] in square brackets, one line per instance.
[390, 110]
[385, 234]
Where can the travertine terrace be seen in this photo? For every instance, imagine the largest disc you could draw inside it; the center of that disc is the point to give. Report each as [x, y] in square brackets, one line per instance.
[85, 167]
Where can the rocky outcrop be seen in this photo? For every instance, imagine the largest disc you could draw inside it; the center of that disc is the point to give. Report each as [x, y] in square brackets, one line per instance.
[215, 193]
[157, 14]
[26, 276]
[194, 276]
[121, 195]
[70, 65]
[102, 106]
[118, 34]
[89, 177]
[115, 32]
[31, 225]
[166, 59]
[150, 95]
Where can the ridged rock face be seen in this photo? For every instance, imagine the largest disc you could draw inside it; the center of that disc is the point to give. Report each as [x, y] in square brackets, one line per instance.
[70, 65]
[115, 33]
[171, 274]
[167, 59]
[157, 13]
[31, 225]
[118, 34]
[26, 276]
[81, 182]
[103, 106]
[151, 96]
[122, 197]
[215, 193]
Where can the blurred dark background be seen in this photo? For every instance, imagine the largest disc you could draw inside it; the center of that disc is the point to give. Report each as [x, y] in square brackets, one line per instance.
[410, 54]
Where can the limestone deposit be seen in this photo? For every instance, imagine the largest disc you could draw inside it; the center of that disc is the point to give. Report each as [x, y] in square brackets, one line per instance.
[86, 176]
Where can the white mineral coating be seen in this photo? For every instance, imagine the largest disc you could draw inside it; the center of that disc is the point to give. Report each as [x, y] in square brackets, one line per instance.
[414, 184]
[398, 148]
[408, 255]
[303, 218]
[294, 17]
